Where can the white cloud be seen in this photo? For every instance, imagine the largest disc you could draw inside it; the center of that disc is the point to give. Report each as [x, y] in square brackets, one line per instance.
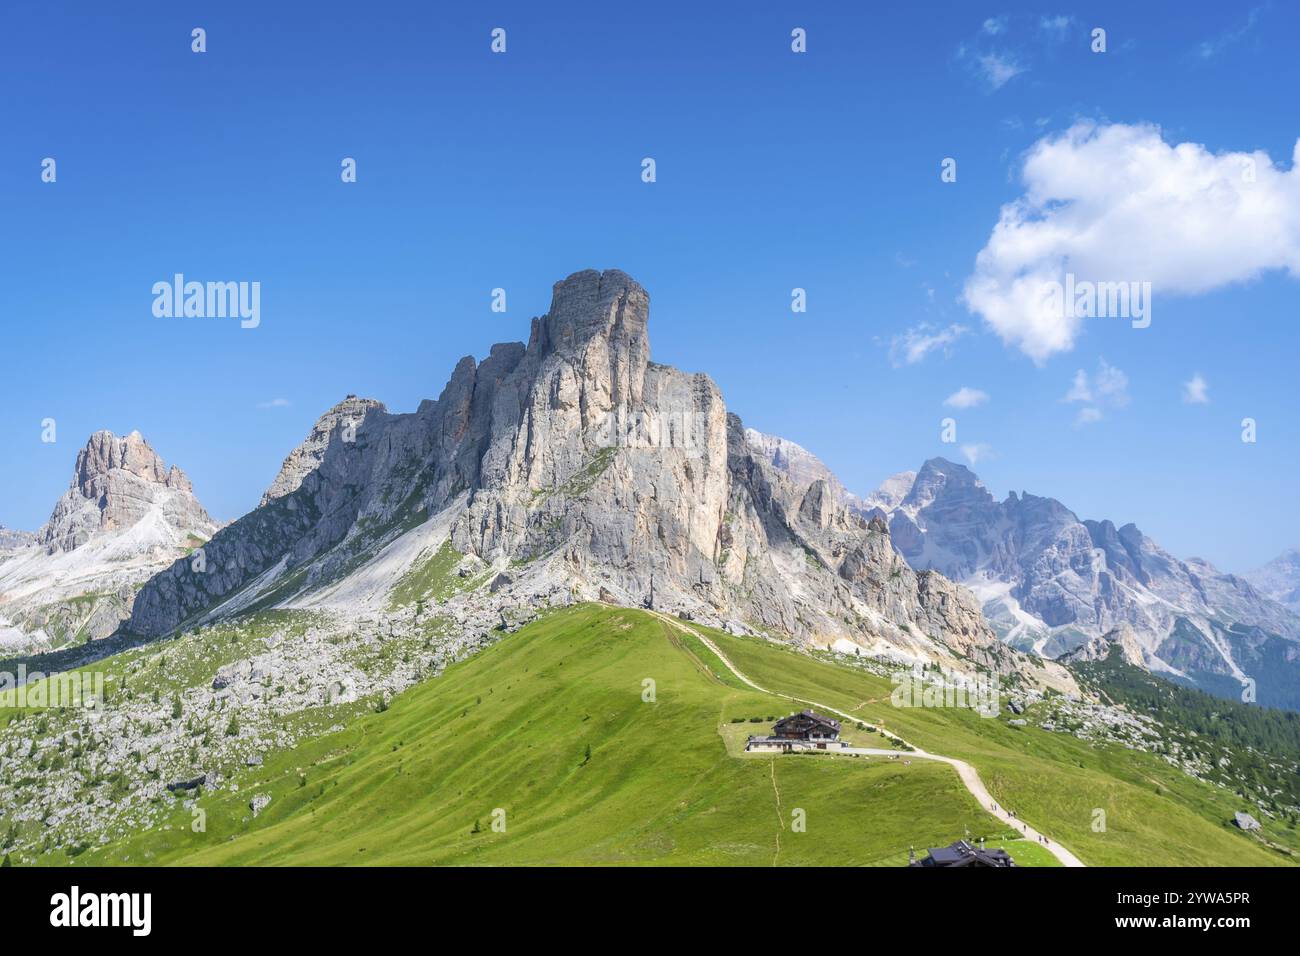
[966, 397]
[976, 452]
[995, 25]
[918, 342]
[1107, 388]
[1196, 391]
[998, 69]
[1116, 203]
[274, 403]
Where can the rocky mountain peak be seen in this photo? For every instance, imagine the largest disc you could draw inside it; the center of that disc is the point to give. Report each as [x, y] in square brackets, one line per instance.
[588, 305]
[105, 452]
[941, 477]
[309, 455]
[116, 483]
[592, 345]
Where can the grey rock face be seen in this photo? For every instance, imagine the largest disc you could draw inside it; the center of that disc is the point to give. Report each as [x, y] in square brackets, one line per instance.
[592, 472]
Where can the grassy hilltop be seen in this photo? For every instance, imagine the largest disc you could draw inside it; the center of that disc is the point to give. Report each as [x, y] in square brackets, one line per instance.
[550, 726]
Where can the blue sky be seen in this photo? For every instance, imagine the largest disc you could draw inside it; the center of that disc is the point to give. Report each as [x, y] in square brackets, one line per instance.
[775, 170]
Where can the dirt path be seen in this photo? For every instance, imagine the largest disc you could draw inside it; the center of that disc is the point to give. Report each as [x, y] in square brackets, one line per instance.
[779, 819]
[965, 772]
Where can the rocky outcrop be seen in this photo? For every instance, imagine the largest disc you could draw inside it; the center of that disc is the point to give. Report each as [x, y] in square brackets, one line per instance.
[1098, 648]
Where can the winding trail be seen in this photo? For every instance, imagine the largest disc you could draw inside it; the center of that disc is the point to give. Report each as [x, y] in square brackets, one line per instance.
[965, 772]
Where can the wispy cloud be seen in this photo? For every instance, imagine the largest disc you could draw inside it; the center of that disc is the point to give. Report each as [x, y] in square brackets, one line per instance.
[916, 343]
[966, 397]
[1208, 49]
[995, 25]
[1055, 28]
[1081, 389]
[977, 452]
[998, 69]
[274, 403]
[1005, 47]
[1107, 388]
[1196, 391]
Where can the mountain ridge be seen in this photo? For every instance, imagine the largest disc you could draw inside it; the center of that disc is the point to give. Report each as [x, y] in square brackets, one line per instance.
[574, 468]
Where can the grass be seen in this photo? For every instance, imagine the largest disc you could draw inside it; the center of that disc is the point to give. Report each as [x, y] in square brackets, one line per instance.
[556, 731]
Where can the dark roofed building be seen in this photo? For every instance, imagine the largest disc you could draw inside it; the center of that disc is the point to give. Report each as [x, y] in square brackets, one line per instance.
[805, 730]
[806, 725]
[962, 853]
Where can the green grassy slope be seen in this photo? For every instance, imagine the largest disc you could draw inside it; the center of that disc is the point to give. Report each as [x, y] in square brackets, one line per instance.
[510, 728]
[1154, 813]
